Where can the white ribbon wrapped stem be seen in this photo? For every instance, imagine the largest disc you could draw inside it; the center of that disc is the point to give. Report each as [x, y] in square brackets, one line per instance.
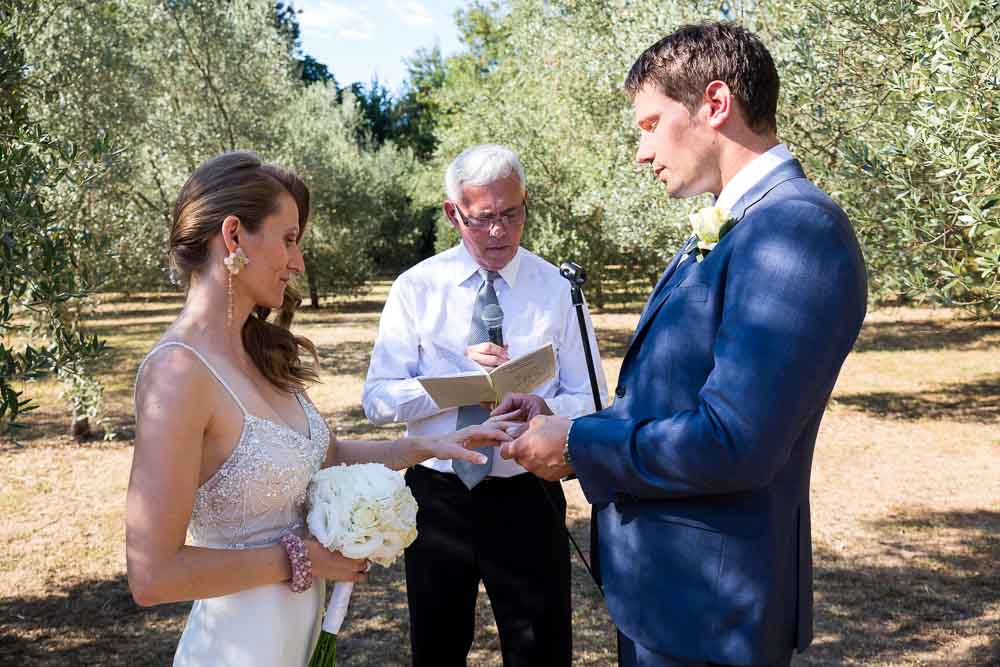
[337, 609]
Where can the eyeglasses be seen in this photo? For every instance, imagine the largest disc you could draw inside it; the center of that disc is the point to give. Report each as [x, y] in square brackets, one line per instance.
[512, 218]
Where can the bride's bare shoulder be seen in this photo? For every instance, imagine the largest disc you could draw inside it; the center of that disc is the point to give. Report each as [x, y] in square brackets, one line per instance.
[174, 380]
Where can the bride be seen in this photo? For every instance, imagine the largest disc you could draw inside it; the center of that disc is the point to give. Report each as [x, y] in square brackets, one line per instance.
[226, 438]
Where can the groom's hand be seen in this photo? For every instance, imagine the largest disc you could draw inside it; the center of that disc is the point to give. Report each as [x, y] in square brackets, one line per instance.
[540, 449]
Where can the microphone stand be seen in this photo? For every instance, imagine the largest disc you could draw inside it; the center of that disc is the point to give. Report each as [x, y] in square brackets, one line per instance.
[575, 274]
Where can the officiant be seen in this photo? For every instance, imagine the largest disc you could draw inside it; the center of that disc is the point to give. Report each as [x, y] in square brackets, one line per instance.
[489, 523]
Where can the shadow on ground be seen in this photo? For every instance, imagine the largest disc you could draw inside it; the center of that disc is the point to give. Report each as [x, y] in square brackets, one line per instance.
[90, 623]
[613, 343]
[942, 588]
[377, 628]
[96, 622]
[346, 358]
[897, 336]
[352, 423]
[865, 613]
[970, 402]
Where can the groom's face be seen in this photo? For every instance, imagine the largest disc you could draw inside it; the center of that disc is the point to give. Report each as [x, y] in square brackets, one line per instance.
[677, 145]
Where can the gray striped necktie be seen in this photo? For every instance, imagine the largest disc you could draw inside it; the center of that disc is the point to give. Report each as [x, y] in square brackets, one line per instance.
[468, 415]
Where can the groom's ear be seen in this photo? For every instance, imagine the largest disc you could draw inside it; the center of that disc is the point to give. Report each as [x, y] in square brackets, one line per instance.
[720, 102]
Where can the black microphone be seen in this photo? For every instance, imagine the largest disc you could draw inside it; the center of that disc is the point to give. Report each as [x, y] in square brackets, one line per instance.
[493, 319]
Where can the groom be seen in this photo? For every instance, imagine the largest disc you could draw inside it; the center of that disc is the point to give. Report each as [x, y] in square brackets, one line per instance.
[699, 472]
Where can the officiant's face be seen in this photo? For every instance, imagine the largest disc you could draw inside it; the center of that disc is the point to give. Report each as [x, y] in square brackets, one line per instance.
[675, 143]
[494, 245]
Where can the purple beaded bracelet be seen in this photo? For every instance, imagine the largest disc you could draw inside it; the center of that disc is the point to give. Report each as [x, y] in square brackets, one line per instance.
[302, 569]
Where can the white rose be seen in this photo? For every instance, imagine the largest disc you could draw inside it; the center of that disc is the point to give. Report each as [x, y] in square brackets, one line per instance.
[409, 537]
[386, 481]
[708, 225]
[325, 522]
[388, 551]
[363, 518]
[362, 547]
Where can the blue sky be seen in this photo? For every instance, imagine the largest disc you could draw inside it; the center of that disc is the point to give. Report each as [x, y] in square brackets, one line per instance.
[365, 37]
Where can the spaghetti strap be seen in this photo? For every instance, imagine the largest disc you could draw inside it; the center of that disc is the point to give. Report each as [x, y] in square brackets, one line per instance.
[196, 353]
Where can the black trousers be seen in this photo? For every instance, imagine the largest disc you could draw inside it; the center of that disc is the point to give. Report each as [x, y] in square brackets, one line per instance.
[505, 533]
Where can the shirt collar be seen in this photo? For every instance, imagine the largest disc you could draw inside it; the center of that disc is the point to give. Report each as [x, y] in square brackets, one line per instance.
[467, 266]
[751, 174]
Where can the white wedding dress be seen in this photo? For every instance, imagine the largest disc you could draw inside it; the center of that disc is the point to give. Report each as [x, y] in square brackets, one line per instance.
[255, 497]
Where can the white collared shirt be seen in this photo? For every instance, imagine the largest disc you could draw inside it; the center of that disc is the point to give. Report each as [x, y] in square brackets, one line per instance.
[751, 174]
[426, 319]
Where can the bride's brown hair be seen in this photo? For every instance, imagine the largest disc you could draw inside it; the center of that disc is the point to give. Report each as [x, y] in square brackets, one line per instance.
[239, 184]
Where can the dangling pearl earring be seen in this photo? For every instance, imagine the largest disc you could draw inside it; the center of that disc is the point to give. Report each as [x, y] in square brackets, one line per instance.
[234, 261]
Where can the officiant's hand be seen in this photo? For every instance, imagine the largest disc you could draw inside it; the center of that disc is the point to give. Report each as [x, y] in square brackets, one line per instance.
[333, 565]
[540, 449]
[524, 407]
[487, 355]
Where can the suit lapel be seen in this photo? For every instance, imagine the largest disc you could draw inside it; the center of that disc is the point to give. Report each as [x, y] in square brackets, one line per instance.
[665, 277]
[783, 172]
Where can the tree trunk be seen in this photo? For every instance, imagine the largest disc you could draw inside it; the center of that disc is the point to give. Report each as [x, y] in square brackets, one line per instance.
[307, 259]
[80, 430]
[313, 293]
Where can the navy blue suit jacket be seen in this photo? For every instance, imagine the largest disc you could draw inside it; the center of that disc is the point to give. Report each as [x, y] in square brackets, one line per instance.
[699, 472]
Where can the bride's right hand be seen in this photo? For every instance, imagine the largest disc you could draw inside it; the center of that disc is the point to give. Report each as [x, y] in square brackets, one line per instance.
[335, 566]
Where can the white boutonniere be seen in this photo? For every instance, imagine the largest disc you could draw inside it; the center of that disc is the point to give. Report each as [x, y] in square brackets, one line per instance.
[710, 224]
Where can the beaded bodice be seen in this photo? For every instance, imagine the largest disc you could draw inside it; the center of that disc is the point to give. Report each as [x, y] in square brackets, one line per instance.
[259, 492]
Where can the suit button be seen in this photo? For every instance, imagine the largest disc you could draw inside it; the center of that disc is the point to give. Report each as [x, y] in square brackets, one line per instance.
[620, 391]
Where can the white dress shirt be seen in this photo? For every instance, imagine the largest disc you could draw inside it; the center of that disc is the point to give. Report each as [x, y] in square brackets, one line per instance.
[426, 321]
[751, 174]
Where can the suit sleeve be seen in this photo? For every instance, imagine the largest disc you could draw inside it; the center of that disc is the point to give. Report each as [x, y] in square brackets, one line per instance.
[793, 304]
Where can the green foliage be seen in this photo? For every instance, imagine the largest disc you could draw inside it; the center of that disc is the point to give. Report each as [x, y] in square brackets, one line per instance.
[40, 274]
[174, 83]
[417, 109]
[177, 83]
[895, 108]
[545, 78]
[362, 213]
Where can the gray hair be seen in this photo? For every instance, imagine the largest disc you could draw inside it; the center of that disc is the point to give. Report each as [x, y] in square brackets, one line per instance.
[481, 164]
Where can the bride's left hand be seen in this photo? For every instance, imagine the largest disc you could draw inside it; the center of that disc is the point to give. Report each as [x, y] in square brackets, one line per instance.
[459, 445]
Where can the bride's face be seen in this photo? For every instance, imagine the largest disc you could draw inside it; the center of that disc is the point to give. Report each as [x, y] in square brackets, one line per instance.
[275, 257]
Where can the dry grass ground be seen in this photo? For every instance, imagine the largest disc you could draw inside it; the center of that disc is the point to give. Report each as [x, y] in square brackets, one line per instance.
[906, 505]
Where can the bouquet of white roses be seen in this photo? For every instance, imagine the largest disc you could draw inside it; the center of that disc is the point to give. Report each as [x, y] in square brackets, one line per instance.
[362, 511]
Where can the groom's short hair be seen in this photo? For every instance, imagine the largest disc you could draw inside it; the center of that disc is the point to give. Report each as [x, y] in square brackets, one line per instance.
[683, 63]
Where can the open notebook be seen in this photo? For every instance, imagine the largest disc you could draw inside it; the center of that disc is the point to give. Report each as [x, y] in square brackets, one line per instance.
[521, 375]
